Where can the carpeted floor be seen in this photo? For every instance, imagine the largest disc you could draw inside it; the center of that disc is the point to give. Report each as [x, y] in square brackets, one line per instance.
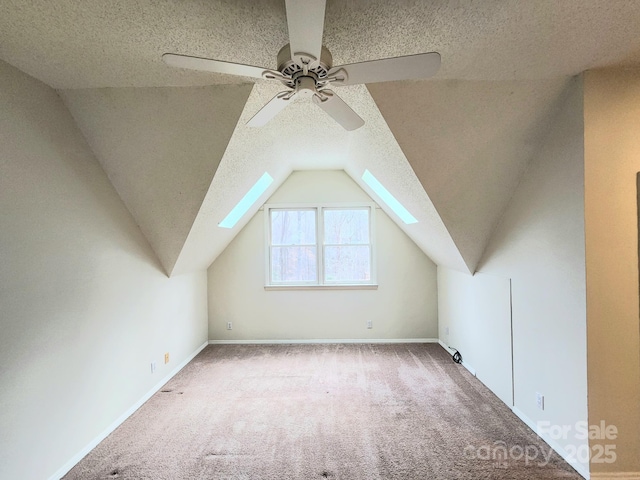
[352, 412]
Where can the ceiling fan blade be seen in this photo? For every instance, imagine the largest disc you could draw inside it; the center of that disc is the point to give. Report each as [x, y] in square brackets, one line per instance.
[271, 109]
[338, 110]
[209, 65]
[409, 67]
[305, 21]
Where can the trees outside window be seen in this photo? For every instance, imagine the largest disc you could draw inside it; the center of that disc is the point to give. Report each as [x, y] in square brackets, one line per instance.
[320, 245]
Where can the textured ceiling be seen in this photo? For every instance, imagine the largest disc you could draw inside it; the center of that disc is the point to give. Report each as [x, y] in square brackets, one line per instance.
[463, 137]
[93, 43]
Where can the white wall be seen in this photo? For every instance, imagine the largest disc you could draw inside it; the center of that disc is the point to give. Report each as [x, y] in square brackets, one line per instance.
[85, 306]
[612, 161]
[539, 245]
[474, 317]
[403, 306]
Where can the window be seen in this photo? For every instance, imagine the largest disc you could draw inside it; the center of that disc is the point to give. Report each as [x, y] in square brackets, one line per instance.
[247, 201]
[347, 245]
[322, 245]
[386, 197]
[294, 248]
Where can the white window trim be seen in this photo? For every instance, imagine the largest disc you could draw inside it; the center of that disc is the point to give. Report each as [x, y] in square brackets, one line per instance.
[320, 285]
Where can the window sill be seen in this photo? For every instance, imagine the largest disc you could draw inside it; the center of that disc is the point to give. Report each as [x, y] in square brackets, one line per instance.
[363, 286]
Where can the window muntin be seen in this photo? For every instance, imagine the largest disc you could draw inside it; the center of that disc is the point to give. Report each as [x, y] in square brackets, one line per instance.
[320, 245]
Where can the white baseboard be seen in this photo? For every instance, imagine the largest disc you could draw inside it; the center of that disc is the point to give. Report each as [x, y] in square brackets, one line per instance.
[615, 475]
[578, 467]
[62, 471]
[323, 340]
[472, 370]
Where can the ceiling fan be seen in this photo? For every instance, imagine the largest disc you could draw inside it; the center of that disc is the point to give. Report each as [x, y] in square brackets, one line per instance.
[305, 67]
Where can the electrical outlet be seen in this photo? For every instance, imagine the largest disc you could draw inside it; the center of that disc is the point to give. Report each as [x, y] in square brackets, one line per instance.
[369, 323]
[166, 358]
[446, 331]
[229, 325]
[540, 400]
[153, 367]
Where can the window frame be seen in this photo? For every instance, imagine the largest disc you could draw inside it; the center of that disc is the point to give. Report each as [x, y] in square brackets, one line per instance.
[320, 246]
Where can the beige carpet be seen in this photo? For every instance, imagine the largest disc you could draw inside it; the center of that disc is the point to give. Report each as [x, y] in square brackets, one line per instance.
[322, 411]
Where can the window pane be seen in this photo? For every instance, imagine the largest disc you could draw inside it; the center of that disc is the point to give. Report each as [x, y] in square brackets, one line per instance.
[347, 264]
[293, 264]
[346, 226]
[293, 227]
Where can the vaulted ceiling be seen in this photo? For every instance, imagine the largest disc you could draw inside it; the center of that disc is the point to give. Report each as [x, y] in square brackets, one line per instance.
[451, 148]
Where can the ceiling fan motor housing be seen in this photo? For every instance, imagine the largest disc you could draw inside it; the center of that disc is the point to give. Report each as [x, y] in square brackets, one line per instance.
[290, 69]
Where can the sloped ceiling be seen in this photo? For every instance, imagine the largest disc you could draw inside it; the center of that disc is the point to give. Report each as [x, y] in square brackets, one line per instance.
[307, 139]
[160, 148]
[469, 142]
[180, 162]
